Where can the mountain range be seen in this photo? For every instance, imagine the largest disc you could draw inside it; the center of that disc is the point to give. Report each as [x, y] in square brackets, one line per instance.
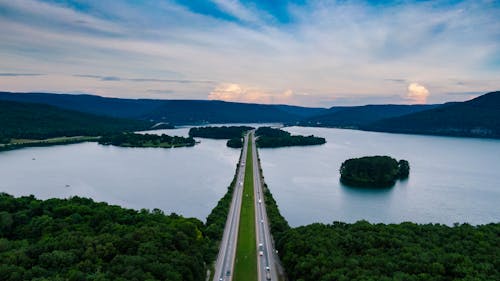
[478, 117]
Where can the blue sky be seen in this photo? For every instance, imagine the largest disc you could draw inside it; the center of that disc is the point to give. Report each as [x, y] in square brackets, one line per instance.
[313, 53]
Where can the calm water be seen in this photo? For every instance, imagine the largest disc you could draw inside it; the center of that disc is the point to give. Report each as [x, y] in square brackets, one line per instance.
[451, 179]
[188, 181]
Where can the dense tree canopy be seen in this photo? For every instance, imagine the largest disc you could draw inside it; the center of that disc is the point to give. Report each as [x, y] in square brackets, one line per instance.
[146, 140]
[373, 171]
[407, 251]
[223, 132]
[38, 121]
[78, 239]
[269, 137]
[235, 143]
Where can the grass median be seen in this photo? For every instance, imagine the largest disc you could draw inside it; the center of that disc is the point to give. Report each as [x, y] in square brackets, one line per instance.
[245, 268]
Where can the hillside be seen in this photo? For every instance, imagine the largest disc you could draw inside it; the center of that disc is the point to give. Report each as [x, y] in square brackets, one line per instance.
[356, 116]
[479, 117]
[39, 121]
[171, 111]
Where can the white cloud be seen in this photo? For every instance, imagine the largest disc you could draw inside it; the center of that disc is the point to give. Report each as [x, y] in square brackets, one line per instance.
[417, 93]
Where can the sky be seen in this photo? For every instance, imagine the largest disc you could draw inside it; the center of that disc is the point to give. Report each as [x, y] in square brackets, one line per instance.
[299, 52]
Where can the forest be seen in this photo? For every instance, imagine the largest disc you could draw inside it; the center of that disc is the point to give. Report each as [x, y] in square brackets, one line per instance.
[224, 132]
[235, 143]
[146, 140]
[38, 121]
[268, 137]
[373, 171]
[406, 251]
[79, 239]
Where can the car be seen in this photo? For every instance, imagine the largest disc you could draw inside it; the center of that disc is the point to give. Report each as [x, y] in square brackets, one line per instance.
[261, 253]
[260, 201]
[267, 268]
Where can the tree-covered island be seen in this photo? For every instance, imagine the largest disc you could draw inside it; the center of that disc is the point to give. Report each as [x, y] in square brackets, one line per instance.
[268, 137]
[146, 140]
[373, 171]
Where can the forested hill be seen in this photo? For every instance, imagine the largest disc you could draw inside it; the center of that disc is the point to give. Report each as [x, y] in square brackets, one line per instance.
[39, 121]
[356, 116]
[171, 111]
[479, 117]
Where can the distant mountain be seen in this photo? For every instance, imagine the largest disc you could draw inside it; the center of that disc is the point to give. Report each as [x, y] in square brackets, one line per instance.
[172, 111]
[479, 117]
[356, 116]
[39, 121]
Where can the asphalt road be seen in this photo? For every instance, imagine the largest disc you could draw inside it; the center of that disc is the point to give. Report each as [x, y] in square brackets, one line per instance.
[267, 261]
[224, 265]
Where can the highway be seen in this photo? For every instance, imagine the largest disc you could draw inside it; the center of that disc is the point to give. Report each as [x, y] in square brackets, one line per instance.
[267, 261]
[224, 266]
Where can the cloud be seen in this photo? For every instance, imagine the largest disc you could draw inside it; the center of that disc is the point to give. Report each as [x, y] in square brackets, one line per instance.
[241, 93]
[417, 93]
[114, 78]
[19, 74]
[343, 48]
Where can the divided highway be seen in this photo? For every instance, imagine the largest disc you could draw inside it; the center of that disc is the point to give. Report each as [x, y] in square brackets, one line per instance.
[225, 260]
[267, 263]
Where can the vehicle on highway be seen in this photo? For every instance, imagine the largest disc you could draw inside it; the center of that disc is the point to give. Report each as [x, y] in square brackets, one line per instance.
[261, 253]
[260, 201]
[268, 273]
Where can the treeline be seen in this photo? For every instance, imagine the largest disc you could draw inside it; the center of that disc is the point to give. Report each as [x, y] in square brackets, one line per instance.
[38, 121]
[79, 239]
[269, 138]
[224, 132]
[235, 143]
[376, 171]
[407, 251]
[146, 140]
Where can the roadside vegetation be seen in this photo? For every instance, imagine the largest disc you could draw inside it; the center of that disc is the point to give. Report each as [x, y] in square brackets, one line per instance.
[223, 132]
[269, 138]
[79, 239]
[245, 267]
[373, 171]
[146, 140]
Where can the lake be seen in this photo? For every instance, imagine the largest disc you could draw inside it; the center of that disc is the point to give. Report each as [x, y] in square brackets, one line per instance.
[188, 180]
[451, 179]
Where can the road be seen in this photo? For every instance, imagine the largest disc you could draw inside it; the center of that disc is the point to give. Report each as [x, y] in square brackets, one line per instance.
[224, 266]
[267, 261]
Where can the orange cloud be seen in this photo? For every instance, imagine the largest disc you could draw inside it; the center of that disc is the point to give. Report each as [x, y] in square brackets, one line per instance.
[417, 93]
[241, 93]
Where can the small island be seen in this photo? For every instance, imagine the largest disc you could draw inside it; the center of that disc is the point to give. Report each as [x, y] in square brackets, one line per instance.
[373, 171]
[146, 140]
[235, 143]
[268, 137]
[224, 132]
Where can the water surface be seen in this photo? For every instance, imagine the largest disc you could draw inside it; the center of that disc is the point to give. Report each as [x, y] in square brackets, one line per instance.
[451, 179]
[188, 181]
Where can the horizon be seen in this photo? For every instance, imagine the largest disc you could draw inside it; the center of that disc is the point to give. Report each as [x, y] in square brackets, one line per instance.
[243, 102]
[295, 52]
